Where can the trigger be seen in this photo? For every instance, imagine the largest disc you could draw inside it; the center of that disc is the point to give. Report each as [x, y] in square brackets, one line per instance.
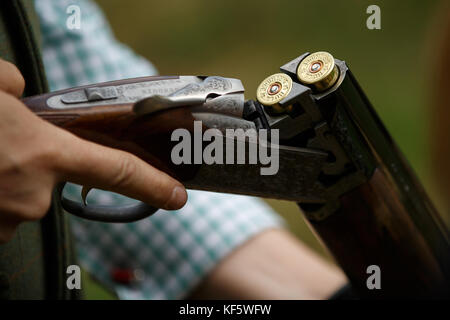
[84, 192]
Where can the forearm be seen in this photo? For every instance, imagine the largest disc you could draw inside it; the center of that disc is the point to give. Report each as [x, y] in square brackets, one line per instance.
[272, 265]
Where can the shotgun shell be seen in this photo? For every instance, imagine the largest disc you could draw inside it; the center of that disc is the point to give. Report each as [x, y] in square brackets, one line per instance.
[273, 89]
[318, 70]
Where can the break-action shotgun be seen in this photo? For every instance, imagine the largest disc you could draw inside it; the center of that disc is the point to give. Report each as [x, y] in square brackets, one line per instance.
[336, 160]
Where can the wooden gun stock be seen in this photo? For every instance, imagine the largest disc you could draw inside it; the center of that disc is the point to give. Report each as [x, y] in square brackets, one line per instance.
[117, 126]
[373, 227]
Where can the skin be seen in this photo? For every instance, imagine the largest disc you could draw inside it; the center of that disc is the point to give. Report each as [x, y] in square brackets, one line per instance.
[272, 265]
[34, 158]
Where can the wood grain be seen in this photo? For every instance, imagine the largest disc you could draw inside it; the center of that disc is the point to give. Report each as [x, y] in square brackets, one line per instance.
[372, 227]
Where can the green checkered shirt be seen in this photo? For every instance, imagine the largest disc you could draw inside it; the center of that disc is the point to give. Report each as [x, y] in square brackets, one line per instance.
[176, 249]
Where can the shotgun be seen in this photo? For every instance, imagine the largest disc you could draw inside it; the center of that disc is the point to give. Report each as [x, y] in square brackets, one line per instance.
[335, 159]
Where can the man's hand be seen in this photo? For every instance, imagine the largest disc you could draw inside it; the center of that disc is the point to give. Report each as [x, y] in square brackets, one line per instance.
[35, 155]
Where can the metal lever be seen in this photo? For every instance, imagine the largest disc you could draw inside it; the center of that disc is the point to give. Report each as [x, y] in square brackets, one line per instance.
[194, 94]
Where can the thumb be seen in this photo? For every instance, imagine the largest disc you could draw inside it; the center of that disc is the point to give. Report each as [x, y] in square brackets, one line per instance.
[94, 165]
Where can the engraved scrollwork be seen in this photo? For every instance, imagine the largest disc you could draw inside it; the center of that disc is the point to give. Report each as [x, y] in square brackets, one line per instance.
[209, 85]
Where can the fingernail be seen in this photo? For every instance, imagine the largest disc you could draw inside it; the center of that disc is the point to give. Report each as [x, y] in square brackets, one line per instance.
[177, 199]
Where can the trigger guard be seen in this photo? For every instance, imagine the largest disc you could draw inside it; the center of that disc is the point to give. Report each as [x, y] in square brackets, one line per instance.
[128, 213]
[119, 214]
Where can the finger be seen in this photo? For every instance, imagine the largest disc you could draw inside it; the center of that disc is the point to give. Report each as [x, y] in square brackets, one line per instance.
[11, 80]
[97, 166]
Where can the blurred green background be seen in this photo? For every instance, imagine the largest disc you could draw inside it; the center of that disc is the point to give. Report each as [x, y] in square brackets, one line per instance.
[252, 39]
